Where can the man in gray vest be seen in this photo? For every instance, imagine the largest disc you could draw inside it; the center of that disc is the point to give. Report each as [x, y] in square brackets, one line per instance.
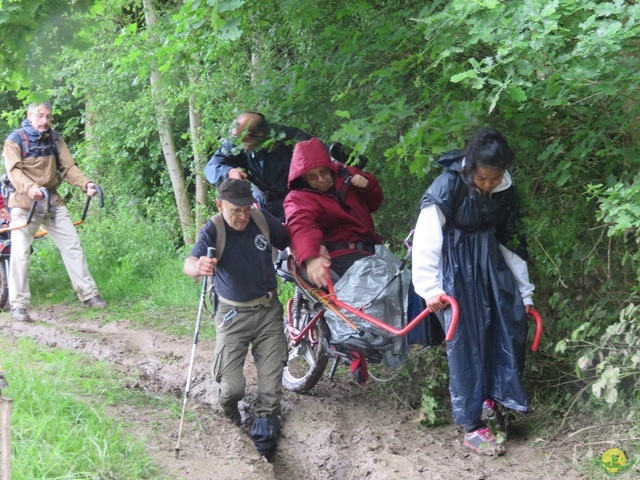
[248, 310]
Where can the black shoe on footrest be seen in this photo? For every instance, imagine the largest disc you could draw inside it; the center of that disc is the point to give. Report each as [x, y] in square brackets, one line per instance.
[359, 345]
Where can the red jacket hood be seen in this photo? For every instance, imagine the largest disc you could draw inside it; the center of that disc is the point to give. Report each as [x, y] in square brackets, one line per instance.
[307, 156]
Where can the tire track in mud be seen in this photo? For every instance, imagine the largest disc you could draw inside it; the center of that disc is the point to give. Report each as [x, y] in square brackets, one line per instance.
[337, 431]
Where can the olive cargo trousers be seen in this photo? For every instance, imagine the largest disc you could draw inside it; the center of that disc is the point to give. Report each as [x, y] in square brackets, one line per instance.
[260, 326]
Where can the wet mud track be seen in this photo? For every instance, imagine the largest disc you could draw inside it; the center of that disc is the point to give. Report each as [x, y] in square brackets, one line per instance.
[338, 431]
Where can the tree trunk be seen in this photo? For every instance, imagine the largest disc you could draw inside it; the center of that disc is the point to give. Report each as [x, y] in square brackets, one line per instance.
[199, 159]
[176, 172]
[256, 61]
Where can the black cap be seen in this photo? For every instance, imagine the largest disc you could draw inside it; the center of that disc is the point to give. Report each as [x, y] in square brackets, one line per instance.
[236, 191]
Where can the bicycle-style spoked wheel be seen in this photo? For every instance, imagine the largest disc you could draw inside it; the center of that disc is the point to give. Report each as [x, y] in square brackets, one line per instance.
[307, 359]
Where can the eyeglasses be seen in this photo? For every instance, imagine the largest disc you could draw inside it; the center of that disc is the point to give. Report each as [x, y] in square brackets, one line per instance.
[238, 212]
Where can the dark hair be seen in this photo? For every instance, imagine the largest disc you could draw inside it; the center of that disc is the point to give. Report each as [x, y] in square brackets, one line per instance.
[258, 127]
[487, 148]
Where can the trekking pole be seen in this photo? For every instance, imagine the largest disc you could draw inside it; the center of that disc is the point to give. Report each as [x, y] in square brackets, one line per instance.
[211, 253]
[32, 211]
[86, 204]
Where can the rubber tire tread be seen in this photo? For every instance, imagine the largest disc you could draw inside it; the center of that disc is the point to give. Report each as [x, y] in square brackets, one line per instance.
[4, 284]
[311, 378]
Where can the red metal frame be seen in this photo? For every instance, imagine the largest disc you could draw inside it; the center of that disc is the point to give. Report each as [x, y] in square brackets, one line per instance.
[295, 334]
[330, 297]
[388, 328]
[535, 316]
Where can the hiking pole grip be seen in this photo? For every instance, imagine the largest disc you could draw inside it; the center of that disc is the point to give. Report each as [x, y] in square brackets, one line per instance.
[31, 212]
[211, 253]
[47, 199]
[34, 204]
[88, 200]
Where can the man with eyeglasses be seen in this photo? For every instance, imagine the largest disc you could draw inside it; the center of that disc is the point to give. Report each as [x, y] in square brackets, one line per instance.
[258, 152]
[36, 157]
[248, 310]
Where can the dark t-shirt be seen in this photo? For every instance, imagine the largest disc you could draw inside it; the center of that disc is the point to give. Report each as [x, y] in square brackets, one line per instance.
[245, 271]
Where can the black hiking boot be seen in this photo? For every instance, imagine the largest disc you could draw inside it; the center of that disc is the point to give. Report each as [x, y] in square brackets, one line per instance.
[233, 414]
[264, 434]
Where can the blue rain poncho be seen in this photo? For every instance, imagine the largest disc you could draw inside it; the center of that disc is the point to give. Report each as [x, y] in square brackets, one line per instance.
[481, 264]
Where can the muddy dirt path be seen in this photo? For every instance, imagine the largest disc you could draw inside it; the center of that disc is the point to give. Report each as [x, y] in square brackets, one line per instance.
[339, 431]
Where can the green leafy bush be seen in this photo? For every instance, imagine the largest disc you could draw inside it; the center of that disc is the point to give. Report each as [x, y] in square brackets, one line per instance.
[610, 360]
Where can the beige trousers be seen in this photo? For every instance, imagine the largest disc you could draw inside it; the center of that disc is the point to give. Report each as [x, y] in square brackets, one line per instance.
[64, 235]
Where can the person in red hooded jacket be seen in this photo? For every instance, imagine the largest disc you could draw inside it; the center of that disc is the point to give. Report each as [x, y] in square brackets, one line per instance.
[329, 206]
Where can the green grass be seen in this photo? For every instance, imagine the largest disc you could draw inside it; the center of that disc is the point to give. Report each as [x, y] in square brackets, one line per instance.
[59, 426]
[127, 262]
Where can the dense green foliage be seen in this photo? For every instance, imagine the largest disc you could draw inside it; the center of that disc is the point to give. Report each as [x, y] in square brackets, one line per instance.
[401, 82]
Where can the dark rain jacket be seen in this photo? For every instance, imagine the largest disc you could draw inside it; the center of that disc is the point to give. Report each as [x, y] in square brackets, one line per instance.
[487, 354]
[315, 218]
[269, 164]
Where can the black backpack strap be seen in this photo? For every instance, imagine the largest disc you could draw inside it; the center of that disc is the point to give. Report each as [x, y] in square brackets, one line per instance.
[341, 193]
[55, 140]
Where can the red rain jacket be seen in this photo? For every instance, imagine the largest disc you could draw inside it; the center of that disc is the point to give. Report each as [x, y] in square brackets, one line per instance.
[314, 218]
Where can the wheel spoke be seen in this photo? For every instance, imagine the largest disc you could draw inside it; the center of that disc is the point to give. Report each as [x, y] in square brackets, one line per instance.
[305, 362]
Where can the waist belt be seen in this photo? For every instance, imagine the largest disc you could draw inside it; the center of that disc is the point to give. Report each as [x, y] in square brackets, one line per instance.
[367, 247]
[264, 300]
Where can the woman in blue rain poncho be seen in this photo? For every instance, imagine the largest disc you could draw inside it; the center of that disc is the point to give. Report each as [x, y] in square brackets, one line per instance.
[467, 245]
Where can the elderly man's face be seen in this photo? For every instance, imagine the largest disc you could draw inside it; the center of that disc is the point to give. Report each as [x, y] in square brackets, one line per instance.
[237, 217]
[40, 119]
[248, 140]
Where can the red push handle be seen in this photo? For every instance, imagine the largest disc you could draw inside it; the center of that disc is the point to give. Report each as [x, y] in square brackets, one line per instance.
[454, 315]
[535, 316]
[386, 327]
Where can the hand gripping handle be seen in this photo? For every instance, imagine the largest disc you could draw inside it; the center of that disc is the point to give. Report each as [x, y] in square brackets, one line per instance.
[86, 203]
